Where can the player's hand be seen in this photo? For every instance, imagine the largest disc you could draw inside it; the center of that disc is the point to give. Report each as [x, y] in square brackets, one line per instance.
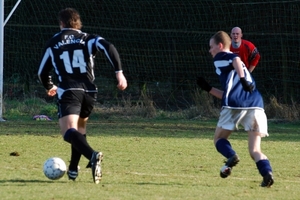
[246, 86]
[122, 82]
[203, 84]
[52, 91]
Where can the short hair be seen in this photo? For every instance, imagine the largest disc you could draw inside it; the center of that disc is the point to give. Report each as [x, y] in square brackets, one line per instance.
[70, 18]
[222, 37]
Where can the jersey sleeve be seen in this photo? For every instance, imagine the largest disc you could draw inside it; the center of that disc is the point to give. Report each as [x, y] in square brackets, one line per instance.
[252, 53]
[45, 68]
[110, 52]
[254, 56]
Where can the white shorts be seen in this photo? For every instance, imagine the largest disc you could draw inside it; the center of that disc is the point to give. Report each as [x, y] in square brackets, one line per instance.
[250, 119]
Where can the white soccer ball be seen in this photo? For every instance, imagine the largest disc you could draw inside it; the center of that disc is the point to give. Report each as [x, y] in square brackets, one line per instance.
[54, 168]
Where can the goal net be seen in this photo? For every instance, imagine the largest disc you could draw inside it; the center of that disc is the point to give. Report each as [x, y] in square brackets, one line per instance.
[163, 44]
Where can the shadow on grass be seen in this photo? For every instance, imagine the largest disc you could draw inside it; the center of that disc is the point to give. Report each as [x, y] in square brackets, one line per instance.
[151, 183]
[28, 181]
[149, 128]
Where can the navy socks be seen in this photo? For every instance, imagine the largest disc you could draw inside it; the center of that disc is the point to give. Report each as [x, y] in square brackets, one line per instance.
[223, 146]
[264, 167]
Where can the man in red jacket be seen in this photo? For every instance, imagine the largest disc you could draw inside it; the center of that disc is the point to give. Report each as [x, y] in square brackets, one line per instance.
[244, 48]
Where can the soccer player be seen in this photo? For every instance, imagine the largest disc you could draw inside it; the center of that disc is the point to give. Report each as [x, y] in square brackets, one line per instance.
[244, 48]
[70, 53]
[241, 104]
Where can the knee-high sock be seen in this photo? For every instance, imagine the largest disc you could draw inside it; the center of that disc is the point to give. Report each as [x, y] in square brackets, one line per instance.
[75, 158]
[264, 167]
[79, 142]
[223, 146]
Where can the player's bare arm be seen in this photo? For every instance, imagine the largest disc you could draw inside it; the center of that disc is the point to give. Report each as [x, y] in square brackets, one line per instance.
[216, 92]
[238, 66]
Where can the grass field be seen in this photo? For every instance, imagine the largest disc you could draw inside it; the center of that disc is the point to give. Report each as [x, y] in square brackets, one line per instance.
[146, 159]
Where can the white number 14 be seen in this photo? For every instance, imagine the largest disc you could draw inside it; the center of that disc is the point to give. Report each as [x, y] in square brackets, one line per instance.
[77, 61]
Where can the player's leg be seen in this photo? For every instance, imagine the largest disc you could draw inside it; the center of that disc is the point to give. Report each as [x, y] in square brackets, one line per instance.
[224, 147]
[261, 160]
[228, 121]
[97, 157]
[69, 124]
[76, 155]
[222, 143]
[71, 105]
[82, 125]
[255, 123]
[74, 163]
[79, 142]
[254, 143]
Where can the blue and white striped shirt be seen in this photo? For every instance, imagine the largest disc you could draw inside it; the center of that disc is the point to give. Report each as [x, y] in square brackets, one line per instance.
[234, 96]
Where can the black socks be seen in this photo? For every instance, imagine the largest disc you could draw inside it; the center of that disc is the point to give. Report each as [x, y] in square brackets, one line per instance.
[79, 143]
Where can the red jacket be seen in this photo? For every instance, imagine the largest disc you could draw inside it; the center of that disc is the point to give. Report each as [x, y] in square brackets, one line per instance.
[247, 52]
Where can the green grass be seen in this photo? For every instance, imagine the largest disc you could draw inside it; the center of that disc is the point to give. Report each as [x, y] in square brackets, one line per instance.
[146, 159]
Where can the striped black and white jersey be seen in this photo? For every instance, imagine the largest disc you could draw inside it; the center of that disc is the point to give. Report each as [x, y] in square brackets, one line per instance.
[71, 54]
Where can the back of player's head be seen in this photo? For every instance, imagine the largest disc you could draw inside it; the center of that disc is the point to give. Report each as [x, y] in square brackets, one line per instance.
[222, 37]
[70, 18]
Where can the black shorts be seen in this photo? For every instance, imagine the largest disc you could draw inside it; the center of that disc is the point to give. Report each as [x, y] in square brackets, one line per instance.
[76, 102]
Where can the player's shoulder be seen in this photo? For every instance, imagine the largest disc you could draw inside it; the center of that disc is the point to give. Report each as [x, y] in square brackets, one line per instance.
[228, 54]
[225, 56]
[52, 39]
[54, 36]
[94, 36]
[247, 43]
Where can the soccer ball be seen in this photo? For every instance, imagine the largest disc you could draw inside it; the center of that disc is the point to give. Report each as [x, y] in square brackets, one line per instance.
[54, 168]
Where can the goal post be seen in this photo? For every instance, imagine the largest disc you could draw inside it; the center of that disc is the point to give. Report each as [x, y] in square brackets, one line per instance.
[1, 56]
[2, 25]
